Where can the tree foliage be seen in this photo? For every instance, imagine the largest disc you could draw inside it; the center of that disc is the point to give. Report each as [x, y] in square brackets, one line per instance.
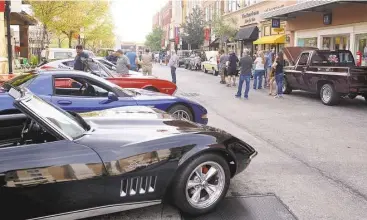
[154, 39]
[72, 18]
[193, 28]
[223, 27]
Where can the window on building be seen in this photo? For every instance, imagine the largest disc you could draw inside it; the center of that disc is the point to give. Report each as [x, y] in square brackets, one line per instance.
[267, 30]
[233, 5]
[217, 7]
[206, 14]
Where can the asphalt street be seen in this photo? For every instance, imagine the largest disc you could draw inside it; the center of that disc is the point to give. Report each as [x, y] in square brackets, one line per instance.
[311, 156]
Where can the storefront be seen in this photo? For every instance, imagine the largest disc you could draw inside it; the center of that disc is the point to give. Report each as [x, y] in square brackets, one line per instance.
[250, 25]
[331, 25]
[272, 37]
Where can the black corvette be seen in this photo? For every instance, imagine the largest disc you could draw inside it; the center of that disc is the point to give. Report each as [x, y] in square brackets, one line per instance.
[60, 165]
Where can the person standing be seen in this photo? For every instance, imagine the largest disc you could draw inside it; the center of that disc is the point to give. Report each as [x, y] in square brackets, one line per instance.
[245, 76]
[123, 63]
[112, 58]
[271, 77]
[259, 70]
[269, 64]
[147, 63]
[78, 63]
[173, 63]
[232, 68]
[222, 66]
[279, 74]
[132, 59]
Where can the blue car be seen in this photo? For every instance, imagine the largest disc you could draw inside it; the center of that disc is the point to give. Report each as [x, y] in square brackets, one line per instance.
[84, 92]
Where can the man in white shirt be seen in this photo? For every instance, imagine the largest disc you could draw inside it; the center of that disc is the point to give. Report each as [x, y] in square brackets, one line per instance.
[173, 63]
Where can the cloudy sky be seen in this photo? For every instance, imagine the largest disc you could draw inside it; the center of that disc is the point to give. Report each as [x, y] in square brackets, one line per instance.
[133, 18]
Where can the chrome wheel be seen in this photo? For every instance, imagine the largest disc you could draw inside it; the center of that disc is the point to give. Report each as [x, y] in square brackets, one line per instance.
[205, 185]
[326, 93]
[181, 114]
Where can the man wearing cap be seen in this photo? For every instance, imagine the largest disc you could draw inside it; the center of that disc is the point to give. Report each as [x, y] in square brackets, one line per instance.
[123, 63]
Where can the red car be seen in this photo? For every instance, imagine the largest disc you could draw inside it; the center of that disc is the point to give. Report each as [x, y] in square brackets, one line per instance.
[132, 80]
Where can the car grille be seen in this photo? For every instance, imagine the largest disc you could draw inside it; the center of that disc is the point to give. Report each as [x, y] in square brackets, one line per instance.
[138, 185]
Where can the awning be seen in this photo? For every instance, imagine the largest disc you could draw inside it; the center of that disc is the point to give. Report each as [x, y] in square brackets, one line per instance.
[305, 6]
[247, 33]
[22, 18]
[275, 39]
[216, 41]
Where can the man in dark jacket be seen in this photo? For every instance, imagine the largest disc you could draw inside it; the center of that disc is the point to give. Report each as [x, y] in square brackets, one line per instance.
[78, 63]
[232, 69]
[245, 76]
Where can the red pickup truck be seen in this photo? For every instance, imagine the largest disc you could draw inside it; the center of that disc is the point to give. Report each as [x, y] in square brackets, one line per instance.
[331, 74]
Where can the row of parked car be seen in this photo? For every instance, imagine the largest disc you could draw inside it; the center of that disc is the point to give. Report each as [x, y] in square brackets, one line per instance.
[79, 144]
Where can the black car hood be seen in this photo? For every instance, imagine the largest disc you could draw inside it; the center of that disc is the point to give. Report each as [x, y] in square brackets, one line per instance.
[130, 130]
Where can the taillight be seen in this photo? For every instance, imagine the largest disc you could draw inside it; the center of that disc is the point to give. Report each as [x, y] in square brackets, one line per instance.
[45, 67]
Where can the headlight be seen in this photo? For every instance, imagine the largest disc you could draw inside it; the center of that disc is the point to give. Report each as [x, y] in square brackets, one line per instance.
[205, 116]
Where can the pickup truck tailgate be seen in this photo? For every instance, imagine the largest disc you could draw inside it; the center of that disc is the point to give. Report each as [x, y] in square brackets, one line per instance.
[358, 78]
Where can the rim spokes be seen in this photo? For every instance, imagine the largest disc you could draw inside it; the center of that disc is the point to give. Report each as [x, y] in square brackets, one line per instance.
[210, 189]
[211, 172]
[196, 196]
[192, 184]
[199, 173]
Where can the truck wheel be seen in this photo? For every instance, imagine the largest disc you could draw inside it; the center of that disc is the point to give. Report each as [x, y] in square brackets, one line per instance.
[287, 89]
[328, 95]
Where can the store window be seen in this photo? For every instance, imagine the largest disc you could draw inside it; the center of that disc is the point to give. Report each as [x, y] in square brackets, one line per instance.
[307, 42]
[361, 40]
[267, 30]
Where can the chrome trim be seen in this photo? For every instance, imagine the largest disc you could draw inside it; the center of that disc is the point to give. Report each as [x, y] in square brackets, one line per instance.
[253, 155]
[102, 210]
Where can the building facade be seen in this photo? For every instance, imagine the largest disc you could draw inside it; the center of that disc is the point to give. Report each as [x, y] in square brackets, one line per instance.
[255, 33]
[211, 9]
[329, 25]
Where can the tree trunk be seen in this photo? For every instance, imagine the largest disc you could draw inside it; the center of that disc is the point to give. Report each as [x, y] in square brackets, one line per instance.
[70, 36]
[42, 42]
[59, 39]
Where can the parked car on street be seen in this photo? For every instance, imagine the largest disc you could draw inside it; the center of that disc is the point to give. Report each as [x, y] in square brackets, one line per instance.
[211, 63]
[182, 56]
[331, 74]
[131, 80]
[58, 164]
[64, 53]
[84, 92]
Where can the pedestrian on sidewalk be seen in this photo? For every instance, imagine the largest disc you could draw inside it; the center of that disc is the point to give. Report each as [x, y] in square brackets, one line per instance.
[271, 76]
[146, 63]
[259, 70]
[245, 76]
[232, 68]
[173, 64]
[279, 74]
[269, 63]
[133, 58]
[123, 63]
[222, 66]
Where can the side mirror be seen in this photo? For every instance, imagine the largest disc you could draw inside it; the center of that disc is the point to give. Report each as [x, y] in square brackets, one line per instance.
[112, 96]
[113, 68]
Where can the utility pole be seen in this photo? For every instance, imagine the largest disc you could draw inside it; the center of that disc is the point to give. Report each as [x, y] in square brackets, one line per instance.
[8, 36]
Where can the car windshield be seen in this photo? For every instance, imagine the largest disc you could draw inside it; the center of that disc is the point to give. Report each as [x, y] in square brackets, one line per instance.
[60, 119]
[21, 81]
[333, 58]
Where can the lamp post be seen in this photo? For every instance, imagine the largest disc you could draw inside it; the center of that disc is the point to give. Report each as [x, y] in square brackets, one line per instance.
[8, 36]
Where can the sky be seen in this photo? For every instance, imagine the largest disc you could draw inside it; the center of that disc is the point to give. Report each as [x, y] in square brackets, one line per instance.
[133, 18]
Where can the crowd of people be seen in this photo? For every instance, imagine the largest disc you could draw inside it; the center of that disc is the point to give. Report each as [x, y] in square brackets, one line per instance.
[132, 61]
[266, 68]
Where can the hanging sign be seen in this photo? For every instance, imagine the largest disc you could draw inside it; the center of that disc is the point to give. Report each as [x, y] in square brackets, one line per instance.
[275, 23]
[2, 6]
[177, 35]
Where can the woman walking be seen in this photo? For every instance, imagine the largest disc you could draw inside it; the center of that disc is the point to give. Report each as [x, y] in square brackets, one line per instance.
[279, 74]
[259, 70]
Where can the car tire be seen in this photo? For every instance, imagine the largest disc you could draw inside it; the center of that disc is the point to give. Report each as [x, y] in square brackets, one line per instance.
[287, 89]
[183, 193]
[151, 88]
[328, 95]
[181, 112]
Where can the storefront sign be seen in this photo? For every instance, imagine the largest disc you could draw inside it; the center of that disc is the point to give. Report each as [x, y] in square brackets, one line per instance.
[274, 8]
[207, 34]
[177, 35]
[2, 6]
[250, 14]
[327, 19]
[275, 23]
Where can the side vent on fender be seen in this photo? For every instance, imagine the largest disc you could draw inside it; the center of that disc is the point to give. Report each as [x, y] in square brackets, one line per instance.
[138, 185]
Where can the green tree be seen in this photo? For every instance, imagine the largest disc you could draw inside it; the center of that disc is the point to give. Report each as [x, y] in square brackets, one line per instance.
[154, 39]
[193, 28]
[83, 15]
[100, 34]
[222, 28]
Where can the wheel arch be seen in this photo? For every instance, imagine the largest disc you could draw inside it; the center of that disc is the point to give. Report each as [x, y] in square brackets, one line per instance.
[152, 87]
[322, 82]
[184, 104]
